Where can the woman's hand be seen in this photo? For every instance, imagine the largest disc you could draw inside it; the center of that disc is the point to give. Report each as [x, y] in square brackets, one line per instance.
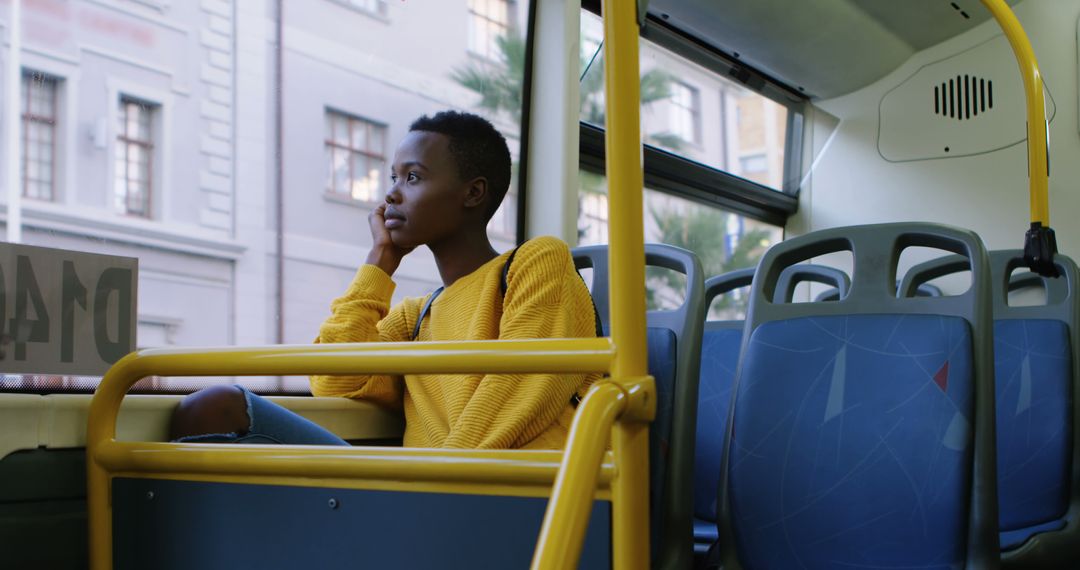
[384, 253]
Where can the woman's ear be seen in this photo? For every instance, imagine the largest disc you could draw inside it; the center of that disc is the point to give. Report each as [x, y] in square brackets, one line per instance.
[476, 193]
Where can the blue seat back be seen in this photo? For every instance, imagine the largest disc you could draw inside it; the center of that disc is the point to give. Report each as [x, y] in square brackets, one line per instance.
[720, 346]
[674, 353]
[923, 290]
[1036, 378]
[862, 430]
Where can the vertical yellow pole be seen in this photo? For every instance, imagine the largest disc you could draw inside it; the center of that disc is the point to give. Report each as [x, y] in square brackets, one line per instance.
[1038, 132]
[630, 438]
[99, 514]
[567, 516]
[101, 428]
[622, 92]
[630, 496]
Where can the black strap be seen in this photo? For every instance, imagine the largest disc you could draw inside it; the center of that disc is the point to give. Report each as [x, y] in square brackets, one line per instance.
[424, 312]
[506, 271]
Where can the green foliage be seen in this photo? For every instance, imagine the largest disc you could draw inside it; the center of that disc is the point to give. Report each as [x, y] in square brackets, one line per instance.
[501, 86]
[702, 231]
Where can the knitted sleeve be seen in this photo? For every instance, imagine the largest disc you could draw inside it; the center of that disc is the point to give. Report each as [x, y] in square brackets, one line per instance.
[363, 314]
[545, 298]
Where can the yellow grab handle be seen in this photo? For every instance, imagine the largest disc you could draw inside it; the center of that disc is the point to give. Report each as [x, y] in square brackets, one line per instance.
[1038, 132]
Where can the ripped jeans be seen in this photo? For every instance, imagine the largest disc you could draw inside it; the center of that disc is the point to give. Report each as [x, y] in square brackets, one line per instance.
[270, 423]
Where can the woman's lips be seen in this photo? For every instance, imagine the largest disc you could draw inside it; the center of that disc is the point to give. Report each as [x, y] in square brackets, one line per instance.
[393, 220]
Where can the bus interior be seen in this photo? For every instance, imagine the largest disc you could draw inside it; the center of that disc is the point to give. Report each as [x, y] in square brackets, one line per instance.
[854, 346]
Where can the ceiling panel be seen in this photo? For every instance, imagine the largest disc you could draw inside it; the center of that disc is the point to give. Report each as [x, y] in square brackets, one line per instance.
[825, 47]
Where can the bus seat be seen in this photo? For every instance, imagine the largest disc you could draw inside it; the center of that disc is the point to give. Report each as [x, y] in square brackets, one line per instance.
[674, 353]
[1036, 350]
[837, 280]
[861, 431]
[719, 358]
[923, 290]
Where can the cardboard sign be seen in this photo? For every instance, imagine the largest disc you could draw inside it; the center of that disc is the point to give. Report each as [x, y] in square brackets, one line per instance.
[65, 312]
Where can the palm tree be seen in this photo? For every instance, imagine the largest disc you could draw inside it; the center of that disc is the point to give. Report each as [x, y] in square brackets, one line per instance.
[501, 86]
[700, 230]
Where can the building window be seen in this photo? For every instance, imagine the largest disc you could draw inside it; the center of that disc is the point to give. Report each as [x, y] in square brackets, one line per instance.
[754, 163]
[356, 150]
[593, 217]
[685, 108]
[488, 20]
[378, 7]
[134, 157]
[39, 104]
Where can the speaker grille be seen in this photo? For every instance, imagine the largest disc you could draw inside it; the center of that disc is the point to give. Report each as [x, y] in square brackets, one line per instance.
[963, 97]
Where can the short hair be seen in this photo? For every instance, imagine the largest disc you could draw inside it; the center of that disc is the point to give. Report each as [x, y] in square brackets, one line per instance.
[477, 148]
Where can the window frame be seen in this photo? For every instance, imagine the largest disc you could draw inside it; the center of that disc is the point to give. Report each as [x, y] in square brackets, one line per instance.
[29, 77]
[148, 146]
[686, 178]
[330, 145]
[754, 156]
[694, 110]
[381, 11]
[161, 122]
[470, 28]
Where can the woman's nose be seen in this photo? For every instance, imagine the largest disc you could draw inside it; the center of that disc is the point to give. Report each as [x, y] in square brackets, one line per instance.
[392, 195]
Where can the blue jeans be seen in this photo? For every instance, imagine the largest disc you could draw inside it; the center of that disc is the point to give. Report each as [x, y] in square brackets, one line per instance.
[270, 423]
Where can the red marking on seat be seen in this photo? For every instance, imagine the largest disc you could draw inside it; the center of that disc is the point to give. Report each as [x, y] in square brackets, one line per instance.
[941, 377]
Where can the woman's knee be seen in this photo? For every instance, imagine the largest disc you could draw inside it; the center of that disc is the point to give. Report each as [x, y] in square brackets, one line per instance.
[217, 409]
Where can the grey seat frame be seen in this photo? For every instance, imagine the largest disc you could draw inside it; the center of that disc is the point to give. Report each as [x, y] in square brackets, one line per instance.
[727, 282]
[876, 250]
[1045, 549]
[675, 543]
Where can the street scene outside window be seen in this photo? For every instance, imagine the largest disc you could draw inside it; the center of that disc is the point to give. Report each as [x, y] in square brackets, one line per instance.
[237, 166]
[678, 98]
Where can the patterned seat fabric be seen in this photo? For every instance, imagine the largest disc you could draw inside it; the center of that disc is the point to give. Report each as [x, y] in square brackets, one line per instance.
[662, 349]
[852, 443]
[1032, 370]
[719, 358]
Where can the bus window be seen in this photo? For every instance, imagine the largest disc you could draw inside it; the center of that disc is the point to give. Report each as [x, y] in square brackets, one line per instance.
[240, 171]
[722, 240]
[692, 111]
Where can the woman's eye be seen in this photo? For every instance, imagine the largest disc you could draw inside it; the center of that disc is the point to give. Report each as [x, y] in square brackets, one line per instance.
[393, 178]
[413, 177]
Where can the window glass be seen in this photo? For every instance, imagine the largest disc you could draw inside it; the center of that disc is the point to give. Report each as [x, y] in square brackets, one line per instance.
[488, 21]
[152, 130]
[692, 111]
[39, 117]
[374, 6]
[134, 158]
[356, 156]
[723, 241]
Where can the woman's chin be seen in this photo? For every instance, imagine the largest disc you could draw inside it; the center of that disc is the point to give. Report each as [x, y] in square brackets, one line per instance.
[402, 239]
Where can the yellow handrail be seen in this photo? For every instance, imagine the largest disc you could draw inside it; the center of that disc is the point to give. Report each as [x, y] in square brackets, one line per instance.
[1038, 132]
[106, 457]
[625, 403]
[622, 139]
[567, 516]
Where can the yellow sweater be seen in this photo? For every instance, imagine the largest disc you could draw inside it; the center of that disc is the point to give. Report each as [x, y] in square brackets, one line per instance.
[545, 298]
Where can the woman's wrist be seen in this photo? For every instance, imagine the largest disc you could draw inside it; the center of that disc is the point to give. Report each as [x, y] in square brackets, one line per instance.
[383, 259]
